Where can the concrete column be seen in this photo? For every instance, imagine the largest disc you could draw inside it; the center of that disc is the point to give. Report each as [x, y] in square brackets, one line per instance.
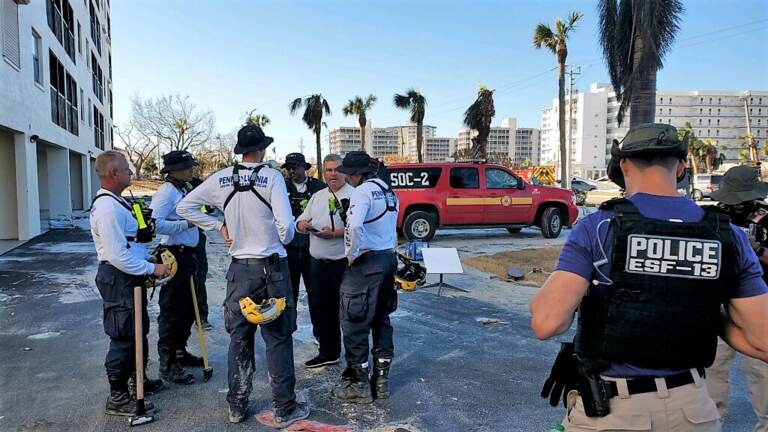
[27, 193]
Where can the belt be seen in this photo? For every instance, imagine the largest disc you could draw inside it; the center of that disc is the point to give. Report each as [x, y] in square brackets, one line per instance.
[648, 385]
[377, 252]
[181, 248]
[252, 261]
[329, 261]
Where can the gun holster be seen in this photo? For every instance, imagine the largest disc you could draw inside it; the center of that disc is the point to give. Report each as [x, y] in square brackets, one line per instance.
[595, 394]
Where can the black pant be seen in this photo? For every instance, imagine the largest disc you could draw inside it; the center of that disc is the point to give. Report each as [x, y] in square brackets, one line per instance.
[298, 265]
[252, 280]
[325, 276]
[116, 289]
[368, 296]
[201, 274]
[177, 313]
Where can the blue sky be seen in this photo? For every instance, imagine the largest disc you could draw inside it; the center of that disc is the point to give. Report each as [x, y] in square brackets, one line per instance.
[231, 56]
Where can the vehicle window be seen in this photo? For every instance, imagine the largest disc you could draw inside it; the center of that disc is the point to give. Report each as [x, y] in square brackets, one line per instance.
[465, 178]
[500, 179]
[403, 178]
[716, 179]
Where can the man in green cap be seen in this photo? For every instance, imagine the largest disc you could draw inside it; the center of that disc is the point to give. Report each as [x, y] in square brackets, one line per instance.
[648, 275]
[742, 195]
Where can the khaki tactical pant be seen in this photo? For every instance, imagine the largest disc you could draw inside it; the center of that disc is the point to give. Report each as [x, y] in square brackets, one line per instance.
[719, 378]
[682, 409]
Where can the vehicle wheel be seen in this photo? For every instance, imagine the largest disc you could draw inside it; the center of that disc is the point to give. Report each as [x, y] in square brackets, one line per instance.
[696, 195]
[419, 225]
[551, 222]
[581, 197]
[514, 230]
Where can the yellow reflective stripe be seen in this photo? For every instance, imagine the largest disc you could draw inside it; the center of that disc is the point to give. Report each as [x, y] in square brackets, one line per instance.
[486, 201]
[139, 216]
[203, 209]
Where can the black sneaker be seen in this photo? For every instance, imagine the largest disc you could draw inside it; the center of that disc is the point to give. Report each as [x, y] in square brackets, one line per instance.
[206, 325]
[320, 361]
[301, 412]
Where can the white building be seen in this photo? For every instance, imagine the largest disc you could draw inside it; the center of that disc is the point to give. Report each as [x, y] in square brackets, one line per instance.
[527, 142]
[55, 109]
[380, 142]
[436, 149]
[715, 115]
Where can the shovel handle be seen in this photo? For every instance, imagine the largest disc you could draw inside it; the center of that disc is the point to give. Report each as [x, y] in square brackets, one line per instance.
[139, 333]
[199, 324]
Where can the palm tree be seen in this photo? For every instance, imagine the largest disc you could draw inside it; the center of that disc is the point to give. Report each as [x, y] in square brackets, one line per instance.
[416, 103]
[260, 120]
[359, 106]
[692, 143]
[478, 117]
[635, 36]
[708, 151]
[314, 107]
[556, 43]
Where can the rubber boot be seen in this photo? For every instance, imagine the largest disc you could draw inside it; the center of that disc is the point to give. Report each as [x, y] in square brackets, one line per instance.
[356, 389]
[120, 402]
[380, 378]
[184, 358]
[170, 370]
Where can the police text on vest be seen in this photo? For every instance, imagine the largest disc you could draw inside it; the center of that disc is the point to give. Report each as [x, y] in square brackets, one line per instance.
[673, 256]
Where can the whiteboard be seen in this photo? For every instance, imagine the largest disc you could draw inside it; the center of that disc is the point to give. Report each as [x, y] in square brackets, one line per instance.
[442, 260]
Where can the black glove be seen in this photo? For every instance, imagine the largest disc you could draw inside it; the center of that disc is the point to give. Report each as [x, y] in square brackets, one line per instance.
[563, 376]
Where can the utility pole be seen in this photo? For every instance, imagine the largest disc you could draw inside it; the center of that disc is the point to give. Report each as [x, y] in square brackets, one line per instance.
[301, 145]
[752, 147]
[570, 123]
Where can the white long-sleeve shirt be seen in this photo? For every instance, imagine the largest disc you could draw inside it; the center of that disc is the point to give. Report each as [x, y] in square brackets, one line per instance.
[319, 211]
[172, 229]
[256, 232]
[111, 223]
[367, 202]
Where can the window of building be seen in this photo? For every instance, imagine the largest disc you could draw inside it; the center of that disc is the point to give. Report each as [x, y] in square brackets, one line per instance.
[670, 100]
[95, 28]
[710, 101]
[718, 101]
[61, 20]
[669, 121]
[98, 128]
[97, 79]
[10, 32]
[701, 100]
[37, 70]
[465, 178]
[709, 132]
[661, 101]
[661, 110]
[718, 111]
[82, 111]
[709, 122]
[90, 113]
[669, 111]
[63, 96]
[699, 122]
[717, 132]
[718, 122]
[710, 111]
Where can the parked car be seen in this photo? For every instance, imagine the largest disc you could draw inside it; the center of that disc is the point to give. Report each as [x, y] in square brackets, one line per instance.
[604, 190]
[704, 185]
[580, 187]
[475, 194]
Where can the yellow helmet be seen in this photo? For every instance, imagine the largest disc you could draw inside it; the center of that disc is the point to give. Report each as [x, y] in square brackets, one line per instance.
[263, 313]
[404, 284]
[165, 257]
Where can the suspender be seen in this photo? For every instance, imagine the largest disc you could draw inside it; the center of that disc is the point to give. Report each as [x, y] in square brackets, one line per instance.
[245, 187]
[389, 199]
[122, 203]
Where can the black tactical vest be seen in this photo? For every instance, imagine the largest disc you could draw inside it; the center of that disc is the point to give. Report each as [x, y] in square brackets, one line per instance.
[669, 281]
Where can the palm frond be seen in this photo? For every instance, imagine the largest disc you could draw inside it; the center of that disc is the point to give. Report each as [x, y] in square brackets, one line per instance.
[369, 101]
[544, 37]
[295, 105]
[348, 109]
[575, 17]
[326, 107]
[401, 101]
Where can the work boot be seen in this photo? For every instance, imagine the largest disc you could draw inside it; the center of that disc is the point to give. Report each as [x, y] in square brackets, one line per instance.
[355, 387]
[151, 386]
[299, 413]
[237, 413]
[184, 358]
[206, 325]
[120, 402]
[380, 378]
[320, 361]
[170, 370]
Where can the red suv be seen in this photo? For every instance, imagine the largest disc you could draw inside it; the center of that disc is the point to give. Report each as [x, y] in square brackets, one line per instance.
[474, 194]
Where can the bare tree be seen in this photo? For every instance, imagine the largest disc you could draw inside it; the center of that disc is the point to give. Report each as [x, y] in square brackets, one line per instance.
[172, 120]
[139, 147]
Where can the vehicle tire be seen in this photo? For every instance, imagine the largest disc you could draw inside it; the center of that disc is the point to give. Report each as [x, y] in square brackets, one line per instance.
[551, 222]
[581, 197]
[514, 230]
[419, 225]
[696, 195]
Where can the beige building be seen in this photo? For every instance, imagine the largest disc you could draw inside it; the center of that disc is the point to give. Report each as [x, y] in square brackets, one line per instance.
[55, 109]
[507, 141]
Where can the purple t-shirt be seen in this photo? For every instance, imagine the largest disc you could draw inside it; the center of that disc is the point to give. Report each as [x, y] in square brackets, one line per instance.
[583, 249]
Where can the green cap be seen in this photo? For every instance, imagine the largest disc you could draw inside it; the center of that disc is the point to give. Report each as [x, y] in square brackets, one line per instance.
[740, 184]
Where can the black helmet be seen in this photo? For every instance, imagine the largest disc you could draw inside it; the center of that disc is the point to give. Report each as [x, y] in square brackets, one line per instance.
[646, 140]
